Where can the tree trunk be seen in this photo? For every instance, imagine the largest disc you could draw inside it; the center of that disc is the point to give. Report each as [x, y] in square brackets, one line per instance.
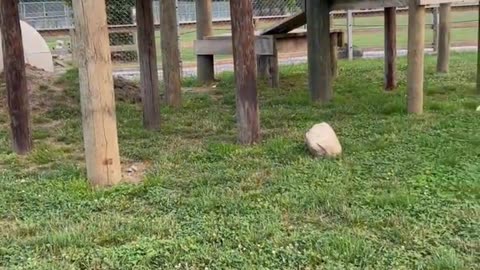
[416, 46]
[15, 77]
[243, 41]
[390, 48]
[319, 54]
[148, 65]
[170, 53]
[96, 93]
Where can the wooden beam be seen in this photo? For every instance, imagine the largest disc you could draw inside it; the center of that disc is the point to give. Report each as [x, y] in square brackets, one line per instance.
[443, 55]
[205, 63]
[15, 77]
[367, 4]
[170, 53]
[319, 54]
[416, 44]
[438, 2]
[287, 25]
[390, 48]
[243, 37]
[223, 46]
[96, 93]
[148, 65]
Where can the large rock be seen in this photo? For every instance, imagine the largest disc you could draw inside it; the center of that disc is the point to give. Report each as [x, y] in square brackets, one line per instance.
[322, 141]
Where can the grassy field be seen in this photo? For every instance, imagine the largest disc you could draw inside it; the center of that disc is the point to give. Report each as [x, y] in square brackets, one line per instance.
[404, 195]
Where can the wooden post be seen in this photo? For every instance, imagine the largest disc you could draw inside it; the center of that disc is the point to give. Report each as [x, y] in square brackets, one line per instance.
[243, 42]
[334, 54]
[390, 48]
[148, 64]
[170, 53]
[478, 53]
[74, 46]
[267, 67]
[443, 56]
[435, 28]
[205, 63]
[15, 77]
[96, 93]
[416, 46]
[350, 34]
[319, 54]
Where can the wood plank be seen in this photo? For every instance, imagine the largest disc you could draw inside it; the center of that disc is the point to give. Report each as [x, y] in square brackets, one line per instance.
[319, 58]
[248, 118]
[390, 48]
[287, 25]
[205, 63]
[416, 44]
[15, 77]
[223, 46]
[367, 4]
[438, 2]
[443, 56]
[170, 53]
[147, 54]
[96, 93]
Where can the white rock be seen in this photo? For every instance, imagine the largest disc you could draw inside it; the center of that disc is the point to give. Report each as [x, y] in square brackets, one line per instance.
[478, 109]
[322, 141]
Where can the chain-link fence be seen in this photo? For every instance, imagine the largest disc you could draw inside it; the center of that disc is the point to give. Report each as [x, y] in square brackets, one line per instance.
[53, 19]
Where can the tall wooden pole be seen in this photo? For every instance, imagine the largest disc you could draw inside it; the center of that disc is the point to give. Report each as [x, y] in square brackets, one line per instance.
[390, 48]
[170, 53]
[96, 93]
[443, 56]
[319, 53]
[148, 64]
[243, 41]
[205, 63]
[478, 53]
[350, 34]
[416, 45]
[15, 75]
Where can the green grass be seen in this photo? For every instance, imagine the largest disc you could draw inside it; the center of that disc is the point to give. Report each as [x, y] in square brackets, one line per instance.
[404, 195]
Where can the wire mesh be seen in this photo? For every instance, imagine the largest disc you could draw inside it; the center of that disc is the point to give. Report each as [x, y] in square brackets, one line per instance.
[54, 19]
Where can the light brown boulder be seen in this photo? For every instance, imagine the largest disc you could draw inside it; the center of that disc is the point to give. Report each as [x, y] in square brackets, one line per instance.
[322, 141]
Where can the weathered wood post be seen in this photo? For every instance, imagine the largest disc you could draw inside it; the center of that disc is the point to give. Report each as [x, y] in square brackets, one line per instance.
[435, 28]
[15, 77]
[350, 34]
[478, 53]
[170, 53]
[148, 64]
[390, 48]
[96, 93]
[334, 54]
[319, 53]
[416, 45]
[205, 63]
[267, 66]
[443, 56]
[243, 41]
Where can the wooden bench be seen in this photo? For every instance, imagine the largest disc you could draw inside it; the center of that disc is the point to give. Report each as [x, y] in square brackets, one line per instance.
[267, 48]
